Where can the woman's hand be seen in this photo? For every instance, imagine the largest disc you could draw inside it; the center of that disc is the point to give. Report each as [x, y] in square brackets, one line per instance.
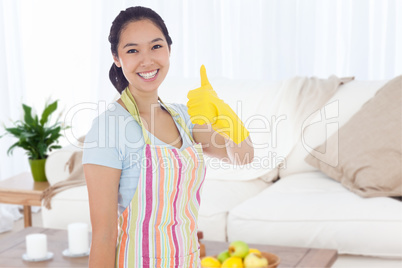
[212, 116]
[205, 107]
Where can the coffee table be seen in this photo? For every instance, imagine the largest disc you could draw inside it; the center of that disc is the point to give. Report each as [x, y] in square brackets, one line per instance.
[22, 190]
[13, 246]
[290, 256]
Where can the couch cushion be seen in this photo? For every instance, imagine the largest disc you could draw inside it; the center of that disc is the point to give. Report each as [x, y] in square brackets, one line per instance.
[366, 154]
[312, 210]
[219, 170]
[67, 207]
[55, 167]
[218, 197]
[213, 226]
[293, 105]
[325, 122]
[251, 100]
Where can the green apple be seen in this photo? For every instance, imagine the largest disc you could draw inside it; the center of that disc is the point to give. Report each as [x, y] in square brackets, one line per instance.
[223, 256]
[238, 249]
[253, 260]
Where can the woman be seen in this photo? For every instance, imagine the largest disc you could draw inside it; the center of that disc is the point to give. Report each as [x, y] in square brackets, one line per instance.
[143, 160]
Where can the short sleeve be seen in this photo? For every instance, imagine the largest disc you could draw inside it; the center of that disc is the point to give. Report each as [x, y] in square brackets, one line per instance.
[100, 146]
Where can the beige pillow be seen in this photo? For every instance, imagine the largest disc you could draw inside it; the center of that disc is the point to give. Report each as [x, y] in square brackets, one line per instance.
[365, 155]
[296, 101]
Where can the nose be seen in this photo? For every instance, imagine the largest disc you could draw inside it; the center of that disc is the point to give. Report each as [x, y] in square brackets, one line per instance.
[147, 60]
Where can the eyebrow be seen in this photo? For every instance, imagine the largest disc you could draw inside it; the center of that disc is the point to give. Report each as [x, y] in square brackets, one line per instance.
[134, 44]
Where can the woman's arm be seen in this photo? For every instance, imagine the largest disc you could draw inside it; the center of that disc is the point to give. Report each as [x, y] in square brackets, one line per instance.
[217, 146]
[103, 185]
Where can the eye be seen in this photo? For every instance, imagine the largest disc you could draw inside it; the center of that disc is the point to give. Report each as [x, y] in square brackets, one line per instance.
[132, 51]
[156, 46]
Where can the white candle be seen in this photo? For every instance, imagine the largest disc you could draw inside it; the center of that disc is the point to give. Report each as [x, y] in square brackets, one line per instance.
[78, 242]
[36, 246]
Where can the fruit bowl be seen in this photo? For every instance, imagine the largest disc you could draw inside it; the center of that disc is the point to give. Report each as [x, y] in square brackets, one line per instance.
[273, 260]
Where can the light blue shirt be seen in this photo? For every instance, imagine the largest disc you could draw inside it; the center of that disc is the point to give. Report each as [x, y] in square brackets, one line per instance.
[115, 140]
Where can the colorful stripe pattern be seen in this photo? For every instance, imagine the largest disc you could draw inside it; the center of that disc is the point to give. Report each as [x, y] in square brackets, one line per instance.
[159, 227]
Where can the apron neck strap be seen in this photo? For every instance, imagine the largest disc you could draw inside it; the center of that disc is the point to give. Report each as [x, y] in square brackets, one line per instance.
[129, 101]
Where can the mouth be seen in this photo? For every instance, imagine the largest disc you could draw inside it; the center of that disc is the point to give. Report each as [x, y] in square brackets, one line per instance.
[149, 76]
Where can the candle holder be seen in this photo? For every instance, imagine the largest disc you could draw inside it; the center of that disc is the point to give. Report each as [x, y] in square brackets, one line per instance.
[49, 256]
[67, 253]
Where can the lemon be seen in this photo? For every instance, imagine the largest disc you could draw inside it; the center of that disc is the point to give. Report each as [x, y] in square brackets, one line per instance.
[210, 262]
[254, 250]
[233, 262]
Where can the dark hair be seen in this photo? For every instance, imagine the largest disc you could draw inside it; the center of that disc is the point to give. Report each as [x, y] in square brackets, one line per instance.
[131, 14]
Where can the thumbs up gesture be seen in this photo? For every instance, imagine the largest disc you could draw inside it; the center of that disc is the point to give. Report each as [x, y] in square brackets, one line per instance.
[204, 107]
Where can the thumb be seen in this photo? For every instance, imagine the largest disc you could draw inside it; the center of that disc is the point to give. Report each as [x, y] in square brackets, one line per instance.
[204, 78]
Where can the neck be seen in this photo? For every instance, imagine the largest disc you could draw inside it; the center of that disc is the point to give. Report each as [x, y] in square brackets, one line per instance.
[147, 103]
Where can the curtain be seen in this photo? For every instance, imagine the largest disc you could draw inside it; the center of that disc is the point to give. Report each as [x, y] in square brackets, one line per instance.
[11, 84]
[12, 93]
[278, 39]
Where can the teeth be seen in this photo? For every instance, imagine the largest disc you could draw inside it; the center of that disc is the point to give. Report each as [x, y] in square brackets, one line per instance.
[148, 75]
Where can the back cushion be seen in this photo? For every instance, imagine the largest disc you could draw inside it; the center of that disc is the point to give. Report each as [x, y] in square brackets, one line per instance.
[325, 122]
[365, 155]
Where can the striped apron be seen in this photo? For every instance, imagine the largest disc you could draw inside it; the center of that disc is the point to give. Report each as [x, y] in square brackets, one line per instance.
[159, 227]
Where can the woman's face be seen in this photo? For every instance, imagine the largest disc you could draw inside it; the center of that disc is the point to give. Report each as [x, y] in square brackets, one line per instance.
[143, 55]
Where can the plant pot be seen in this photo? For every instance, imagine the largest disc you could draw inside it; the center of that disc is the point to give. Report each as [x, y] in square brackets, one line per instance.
[38, 169]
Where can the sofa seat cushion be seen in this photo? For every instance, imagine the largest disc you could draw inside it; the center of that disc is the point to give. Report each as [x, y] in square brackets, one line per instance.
[68, 206]
[312, 210]
[218, 197]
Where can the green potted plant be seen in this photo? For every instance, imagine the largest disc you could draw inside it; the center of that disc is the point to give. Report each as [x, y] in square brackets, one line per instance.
[37, 137]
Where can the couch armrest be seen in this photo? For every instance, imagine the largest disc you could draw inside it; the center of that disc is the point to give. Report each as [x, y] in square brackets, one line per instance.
[55, 167]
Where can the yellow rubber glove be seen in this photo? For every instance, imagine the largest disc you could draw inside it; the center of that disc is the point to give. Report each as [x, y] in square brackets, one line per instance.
[204, 107]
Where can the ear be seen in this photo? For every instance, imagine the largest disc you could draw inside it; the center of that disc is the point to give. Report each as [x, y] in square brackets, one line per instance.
[116, 61]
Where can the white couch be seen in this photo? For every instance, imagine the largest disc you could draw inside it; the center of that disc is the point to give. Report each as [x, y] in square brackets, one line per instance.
[305, 208]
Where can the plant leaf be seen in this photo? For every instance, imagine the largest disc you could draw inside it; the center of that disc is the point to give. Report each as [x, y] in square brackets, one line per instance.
[47, 112]
[55, 147]
[42, 148]
[55, 134]
[34, 137]
[36, 120]
[16, 131]
[11, 149]
[28, 114]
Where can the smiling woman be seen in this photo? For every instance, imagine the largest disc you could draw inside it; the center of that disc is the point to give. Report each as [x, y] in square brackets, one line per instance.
[154, 39]
[144, 61]
[153, 185]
